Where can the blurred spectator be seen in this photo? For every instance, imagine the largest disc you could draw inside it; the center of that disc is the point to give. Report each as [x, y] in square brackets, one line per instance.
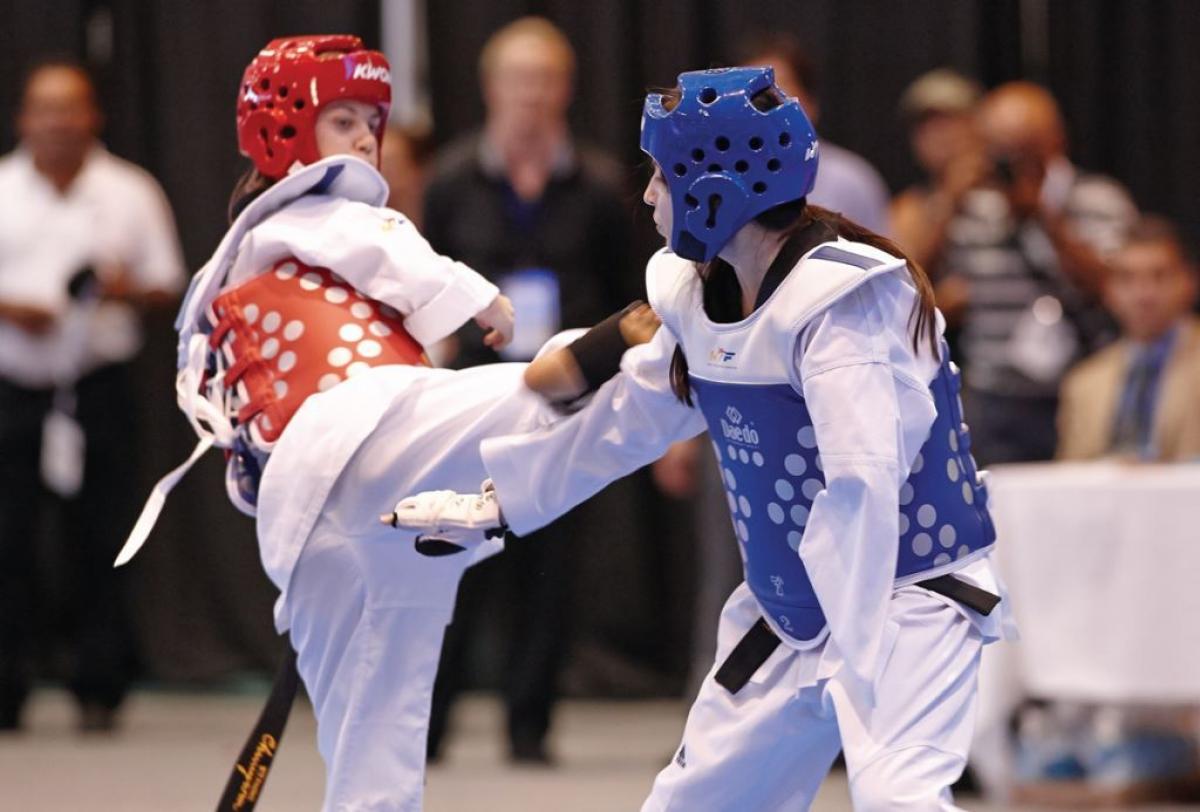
[1025, 253]
[404, 161]
[938, 109]
[846, 182]
[85, 238]
[544, 217]
[1141, 396]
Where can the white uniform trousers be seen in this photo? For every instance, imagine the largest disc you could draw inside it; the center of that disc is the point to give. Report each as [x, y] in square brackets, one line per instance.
[366, 612]
[769, 746]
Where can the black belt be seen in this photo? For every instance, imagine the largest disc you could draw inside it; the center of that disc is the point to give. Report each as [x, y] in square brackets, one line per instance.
[253, 765]
[760, 641]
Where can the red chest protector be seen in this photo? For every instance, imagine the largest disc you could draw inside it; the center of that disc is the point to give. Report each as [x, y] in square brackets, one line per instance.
[294, 331]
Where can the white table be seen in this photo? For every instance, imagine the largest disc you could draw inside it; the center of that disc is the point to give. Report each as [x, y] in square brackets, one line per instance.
[1102, 563]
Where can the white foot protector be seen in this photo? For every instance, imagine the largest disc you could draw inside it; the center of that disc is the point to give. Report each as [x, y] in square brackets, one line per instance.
[448, 522]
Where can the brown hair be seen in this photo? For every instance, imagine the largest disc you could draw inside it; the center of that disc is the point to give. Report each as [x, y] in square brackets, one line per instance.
[250, 185]
[1153, 228]
[718, 277]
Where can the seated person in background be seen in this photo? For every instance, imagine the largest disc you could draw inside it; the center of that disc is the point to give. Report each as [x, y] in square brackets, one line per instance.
[1140, 397]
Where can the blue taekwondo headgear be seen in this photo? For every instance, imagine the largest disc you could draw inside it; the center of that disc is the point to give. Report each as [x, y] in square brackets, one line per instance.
[724, 161]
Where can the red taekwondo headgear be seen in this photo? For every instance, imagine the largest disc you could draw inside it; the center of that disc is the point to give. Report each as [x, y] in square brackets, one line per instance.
[287, 84]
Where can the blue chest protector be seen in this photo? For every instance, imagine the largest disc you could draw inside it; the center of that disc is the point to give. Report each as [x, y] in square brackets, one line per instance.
[767, 451]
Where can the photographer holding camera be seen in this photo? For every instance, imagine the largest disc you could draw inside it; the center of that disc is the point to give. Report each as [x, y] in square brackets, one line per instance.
[1021, 272]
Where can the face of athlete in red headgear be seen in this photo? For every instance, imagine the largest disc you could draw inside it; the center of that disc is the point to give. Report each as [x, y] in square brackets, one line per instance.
[287, 89]
[349, 128]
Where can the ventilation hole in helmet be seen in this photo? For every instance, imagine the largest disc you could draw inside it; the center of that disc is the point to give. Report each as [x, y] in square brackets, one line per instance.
[265, 84]
[714, 203]
[692, 203]
[742, 167]
[262, 133]
[697, 155]
[253, 106]
[715, 168]
[722, 143]
[298, 104]
[785, 139]
[287, 131]
[270, 105]
[680, 170]
[759, 187]
[773, 165]
[708, 95]
[282, 91]
[756, 143]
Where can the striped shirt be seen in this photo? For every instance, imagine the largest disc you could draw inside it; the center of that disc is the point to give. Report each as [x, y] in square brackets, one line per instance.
[1009, 346]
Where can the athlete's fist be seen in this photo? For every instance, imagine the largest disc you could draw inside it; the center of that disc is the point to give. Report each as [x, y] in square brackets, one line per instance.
[497, 319]
[447, 522]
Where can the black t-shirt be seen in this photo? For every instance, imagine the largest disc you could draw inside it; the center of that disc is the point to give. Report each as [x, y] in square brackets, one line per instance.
[581, 229]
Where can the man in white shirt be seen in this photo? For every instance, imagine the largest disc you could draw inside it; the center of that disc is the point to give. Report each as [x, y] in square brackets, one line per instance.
[85, 240]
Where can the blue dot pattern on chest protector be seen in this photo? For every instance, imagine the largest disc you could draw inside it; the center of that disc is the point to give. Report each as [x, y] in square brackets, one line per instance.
[767, 451]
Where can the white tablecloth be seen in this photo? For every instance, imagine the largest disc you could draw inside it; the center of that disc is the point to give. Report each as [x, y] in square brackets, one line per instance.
[1102, 562]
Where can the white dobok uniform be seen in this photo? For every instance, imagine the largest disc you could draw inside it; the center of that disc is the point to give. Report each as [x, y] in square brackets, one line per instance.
[365, 612]
[890, 678]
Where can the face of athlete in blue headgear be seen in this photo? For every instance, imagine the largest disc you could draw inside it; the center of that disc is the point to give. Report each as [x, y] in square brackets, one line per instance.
[719, 160]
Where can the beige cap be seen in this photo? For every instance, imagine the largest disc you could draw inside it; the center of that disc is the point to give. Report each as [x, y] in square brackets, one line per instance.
[939, 91]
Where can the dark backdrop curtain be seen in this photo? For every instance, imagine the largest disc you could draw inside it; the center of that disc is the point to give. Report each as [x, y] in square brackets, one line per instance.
[1125, 72]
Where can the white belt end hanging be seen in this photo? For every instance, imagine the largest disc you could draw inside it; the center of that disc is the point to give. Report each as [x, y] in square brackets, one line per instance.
[154, 504]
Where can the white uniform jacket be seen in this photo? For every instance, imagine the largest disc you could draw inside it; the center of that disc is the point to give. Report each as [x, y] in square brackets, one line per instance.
[850, 357]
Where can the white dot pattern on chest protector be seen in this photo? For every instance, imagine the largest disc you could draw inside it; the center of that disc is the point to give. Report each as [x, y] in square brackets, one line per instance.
[795, 465]
[743, 531]
[293, 330]
[250, 313]
[968, 493]
[286, 271]
[922, 544]
[310, 281]
[807, 437]
[743, 456]
[775, 513]
[271, 321]
[336, 295]
[744, 505]
[369, 348]
[926, 515]
[350, 333]
[811, 488]
[339, 357]
[952, 469]
[784, 490]
[732, 502]
[328, 381]
[941, 559]
[918, 463]
[757, 458]
[270, 348]
[281, 388]
[799, 514]
[953, 437]
[357, 368]
[379, 329]
[906, 493]
[731, 451]
[947, 536]
[793, 539]
[361, 310]
[286, 361]
[730, 479]
[903, 524]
